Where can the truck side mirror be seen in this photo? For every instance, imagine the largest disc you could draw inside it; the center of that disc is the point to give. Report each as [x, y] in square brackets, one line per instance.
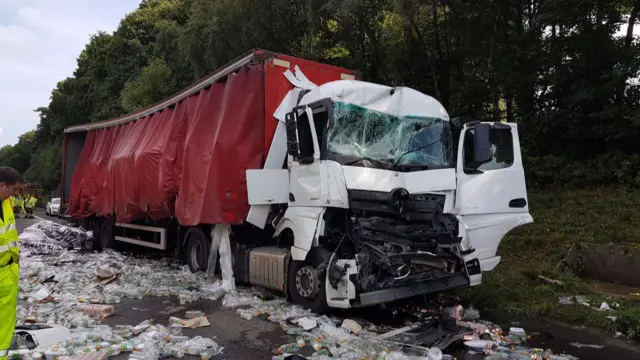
[456, 123]
[292, 134]
[482, 149]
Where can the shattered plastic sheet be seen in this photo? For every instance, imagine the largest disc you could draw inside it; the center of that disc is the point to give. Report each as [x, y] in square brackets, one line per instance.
[48, 235]
[220, 243]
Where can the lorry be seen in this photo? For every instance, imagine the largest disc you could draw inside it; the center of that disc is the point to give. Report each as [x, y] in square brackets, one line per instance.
[337, 192]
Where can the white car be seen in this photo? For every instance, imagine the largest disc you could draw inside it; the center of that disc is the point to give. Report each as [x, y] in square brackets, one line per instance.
[53, 207]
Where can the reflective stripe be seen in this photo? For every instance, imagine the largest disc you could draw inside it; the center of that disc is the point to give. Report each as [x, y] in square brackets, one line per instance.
[4, 352]
[7, 228]
[4, 248]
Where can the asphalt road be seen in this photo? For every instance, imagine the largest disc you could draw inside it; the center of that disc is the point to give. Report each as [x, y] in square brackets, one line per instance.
[257, 339]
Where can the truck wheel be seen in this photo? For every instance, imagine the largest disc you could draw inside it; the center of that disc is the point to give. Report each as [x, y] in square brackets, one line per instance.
[197, 249]
[306, 286]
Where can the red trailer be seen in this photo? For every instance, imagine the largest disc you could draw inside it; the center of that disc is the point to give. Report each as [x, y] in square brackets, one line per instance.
[186, 156]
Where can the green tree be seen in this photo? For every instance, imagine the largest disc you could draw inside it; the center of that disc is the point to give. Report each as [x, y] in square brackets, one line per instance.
[150, 86]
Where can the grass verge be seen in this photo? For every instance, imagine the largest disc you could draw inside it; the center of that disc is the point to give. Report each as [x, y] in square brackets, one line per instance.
[561, 218]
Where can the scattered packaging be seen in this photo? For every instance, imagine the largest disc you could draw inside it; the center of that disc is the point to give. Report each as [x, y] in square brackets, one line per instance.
[101, 311]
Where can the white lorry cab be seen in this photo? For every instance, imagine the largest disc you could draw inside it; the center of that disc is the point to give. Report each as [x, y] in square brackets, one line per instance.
[379, 202]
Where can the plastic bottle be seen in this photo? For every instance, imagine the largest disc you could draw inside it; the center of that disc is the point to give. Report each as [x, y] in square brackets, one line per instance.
[176, 352]
[193, 314]
[322, 352]
[288, 348]
[435, 354]
[114, 350]
[300, 341]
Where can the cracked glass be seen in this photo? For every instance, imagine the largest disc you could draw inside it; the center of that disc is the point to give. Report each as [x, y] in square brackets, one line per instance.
[357, 134]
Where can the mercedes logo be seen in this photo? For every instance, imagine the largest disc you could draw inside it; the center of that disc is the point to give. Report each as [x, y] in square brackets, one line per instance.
[396, 200]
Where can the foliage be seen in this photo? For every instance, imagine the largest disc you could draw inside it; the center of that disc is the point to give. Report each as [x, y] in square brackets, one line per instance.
[154, 82]
[46, 166]
[19, 155]
[556, 67]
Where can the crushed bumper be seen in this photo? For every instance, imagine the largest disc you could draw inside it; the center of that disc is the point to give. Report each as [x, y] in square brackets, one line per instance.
[407, 291]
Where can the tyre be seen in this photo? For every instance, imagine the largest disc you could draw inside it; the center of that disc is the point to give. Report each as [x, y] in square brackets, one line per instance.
[197, 249]
[306, 286]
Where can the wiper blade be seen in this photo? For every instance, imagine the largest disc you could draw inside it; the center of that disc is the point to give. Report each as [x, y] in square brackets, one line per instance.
[395, 164]
[379, 163]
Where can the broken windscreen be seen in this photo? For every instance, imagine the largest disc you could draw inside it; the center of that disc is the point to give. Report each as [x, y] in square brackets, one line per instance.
[357, 134]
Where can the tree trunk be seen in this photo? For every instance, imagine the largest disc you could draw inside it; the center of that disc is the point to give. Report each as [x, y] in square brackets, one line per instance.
[490, 62]
[632, 22]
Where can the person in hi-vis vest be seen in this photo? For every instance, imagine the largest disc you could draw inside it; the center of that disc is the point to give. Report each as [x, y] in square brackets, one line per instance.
[9, 258]
[29, 204]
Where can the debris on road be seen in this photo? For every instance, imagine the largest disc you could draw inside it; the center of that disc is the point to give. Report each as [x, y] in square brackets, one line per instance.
[352, 326]
[48, 235]
[580, 345]
[191, 323]
[604, 307]
[97, 310]
[551, 281]
[571, 300]
[80, 300]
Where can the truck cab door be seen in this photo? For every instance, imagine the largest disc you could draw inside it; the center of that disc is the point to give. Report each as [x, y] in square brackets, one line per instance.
[306, 127]
[491, 195]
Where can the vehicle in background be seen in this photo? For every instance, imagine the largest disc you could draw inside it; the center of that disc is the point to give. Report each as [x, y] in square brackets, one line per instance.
[53, 207]
[337, 192]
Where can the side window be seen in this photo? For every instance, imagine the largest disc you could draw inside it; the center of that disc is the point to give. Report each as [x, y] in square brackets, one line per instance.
[305, 136]
[502, 147]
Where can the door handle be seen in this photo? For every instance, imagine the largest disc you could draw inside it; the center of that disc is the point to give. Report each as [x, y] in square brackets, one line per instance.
[518, 203]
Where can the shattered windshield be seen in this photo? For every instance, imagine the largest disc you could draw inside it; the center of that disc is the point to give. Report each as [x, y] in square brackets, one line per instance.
[357, 134]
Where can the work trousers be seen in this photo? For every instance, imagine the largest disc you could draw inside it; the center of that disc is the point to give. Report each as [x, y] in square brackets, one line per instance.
[9, 280]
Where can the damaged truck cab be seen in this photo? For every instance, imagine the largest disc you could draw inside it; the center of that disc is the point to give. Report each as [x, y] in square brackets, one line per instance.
[338, 192]
[380, 204]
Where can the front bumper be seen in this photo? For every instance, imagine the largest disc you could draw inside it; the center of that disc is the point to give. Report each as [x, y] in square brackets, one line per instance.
[407, 291]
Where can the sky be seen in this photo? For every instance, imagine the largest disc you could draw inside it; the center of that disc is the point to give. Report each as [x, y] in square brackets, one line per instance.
[40, 41]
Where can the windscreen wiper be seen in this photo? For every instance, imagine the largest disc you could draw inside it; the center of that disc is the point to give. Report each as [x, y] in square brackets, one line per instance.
[395, 164]
[379, 163]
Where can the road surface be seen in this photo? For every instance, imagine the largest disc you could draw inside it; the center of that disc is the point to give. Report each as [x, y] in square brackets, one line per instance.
[257, 339]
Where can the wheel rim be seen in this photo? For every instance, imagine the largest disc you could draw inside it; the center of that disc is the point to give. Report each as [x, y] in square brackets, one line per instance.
[196, 251]
[308, 282]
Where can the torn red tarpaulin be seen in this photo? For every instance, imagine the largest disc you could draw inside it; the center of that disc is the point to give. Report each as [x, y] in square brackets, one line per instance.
[188, 160]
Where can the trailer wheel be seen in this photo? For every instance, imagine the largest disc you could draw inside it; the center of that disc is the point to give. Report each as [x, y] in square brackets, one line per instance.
[197, 249]
[306, 286]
